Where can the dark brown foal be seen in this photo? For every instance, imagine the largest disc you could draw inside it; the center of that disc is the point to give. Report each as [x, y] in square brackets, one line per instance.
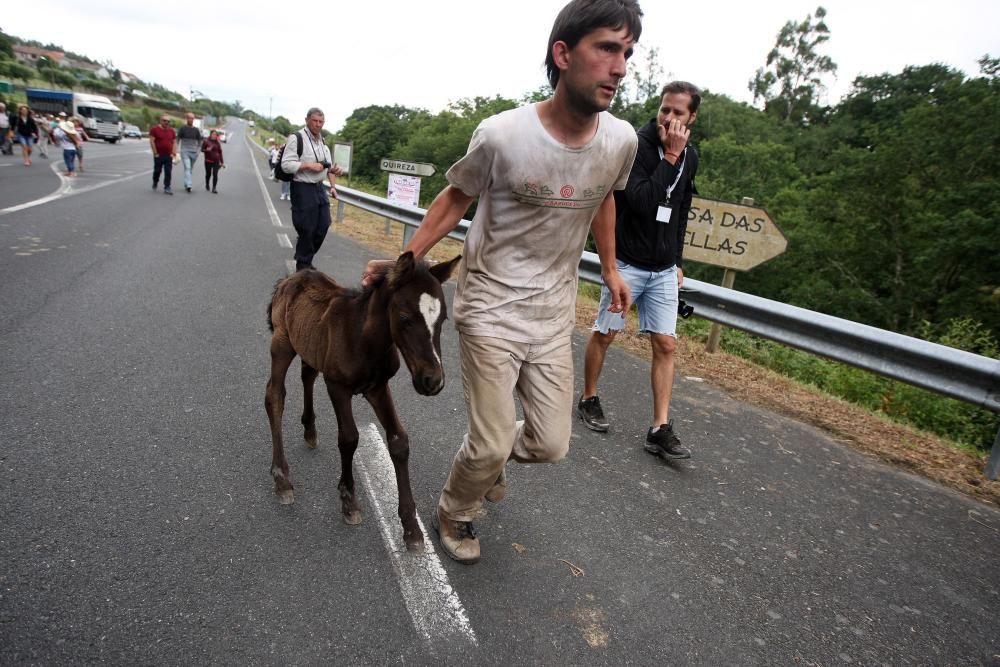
[354, 337]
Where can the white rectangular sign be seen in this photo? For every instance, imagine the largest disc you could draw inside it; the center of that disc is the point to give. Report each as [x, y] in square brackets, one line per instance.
[404, 189]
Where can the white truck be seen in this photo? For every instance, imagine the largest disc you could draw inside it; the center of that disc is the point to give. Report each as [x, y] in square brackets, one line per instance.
[100, 117]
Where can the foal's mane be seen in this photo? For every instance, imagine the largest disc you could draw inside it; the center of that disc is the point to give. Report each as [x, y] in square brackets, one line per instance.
[314, 285]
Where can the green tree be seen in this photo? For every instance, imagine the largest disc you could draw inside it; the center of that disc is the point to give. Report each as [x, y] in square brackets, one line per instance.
[897, 231]
[989, 67]
[376, 131]
[791, 82]
[282, 126]
[6, 46]
[16, 70]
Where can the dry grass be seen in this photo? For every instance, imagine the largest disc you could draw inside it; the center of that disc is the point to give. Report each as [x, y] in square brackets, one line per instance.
[912, 450]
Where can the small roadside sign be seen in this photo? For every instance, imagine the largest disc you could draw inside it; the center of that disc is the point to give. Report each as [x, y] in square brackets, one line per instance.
[343, 153]
[734, 236]
[409, 168]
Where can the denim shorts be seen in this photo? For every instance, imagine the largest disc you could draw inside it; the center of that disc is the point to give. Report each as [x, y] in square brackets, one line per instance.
[655, 295]
[26, 141]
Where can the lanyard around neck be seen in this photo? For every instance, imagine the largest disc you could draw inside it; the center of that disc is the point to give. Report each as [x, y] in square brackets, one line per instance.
[312, 144]
[680, 170]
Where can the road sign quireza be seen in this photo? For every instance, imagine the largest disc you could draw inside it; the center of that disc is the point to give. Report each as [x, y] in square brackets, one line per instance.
[731, 235]
[409, 168]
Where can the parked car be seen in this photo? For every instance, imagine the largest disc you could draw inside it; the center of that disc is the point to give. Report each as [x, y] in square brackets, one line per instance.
[133, 132]
[222, 136]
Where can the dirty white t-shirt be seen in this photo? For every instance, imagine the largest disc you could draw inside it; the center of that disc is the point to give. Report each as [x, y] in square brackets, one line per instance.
[537, 198]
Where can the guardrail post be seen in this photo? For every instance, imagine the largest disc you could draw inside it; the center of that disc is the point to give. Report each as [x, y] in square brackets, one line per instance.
[712, 345]
[728, 280]
[388, 226]
[340, 211]
[408, 234]
[993, 465]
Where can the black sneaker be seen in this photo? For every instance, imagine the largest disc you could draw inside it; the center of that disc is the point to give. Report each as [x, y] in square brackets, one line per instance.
[591, 413]
[665, 443]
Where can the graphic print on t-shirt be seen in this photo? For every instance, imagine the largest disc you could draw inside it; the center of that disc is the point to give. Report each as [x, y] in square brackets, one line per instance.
[569, 196]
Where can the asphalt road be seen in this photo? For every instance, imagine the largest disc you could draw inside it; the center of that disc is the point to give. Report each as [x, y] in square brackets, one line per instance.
[140, 525]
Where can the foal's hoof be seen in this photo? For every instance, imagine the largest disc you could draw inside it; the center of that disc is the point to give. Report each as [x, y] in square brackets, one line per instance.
[311, 440]
[286, 497]
[414, 542]
[352, 518]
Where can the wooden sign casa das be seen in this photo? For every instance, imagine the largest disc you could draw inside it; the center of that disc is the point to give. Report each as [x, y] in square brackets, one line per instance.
[731, 235]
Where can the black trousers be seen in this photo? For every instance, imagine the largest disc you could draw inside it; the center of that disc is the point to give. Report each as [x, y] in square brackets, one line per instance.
[212, 172]
[311, 219]
[166, 163]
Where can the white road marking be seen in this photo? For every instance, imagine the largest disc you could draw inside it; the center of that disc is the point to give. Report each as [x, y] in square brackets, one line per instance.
[290, 266]
[275, 220]
[67, 189]
[284, 241]
[434, 607]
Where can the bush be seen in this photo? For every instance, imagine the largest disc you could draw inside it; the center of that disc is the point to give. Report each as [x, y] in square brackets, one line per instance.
[957, 421]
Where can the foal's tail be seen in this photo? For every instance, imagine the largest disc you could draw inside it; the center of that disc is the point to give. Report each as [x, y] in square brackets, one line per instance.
[270, 305]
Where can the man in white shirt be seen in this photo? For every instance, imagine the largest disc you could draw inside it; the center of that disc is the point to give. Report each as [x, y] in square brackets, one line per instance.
[544, 175]
[310, 196]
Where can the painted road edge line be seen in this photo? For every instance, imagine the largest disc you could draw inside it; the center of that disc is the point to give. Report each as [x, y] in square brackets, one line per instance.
[434, 606]
[66, 189]
[271, 211]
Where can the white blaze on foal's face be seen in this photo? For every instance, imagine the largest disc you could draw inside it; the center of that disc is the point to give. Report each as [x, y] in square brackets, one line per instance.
[430, 308]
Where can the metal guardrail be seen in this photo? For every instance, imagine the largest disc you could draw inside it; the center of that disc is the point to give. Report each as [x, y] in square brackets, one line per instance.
[954, 373]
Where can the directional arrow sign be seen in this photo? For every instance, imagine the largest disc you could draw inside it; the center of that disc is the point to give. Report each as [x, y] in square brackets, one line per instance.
[411, 168]
[731, 235]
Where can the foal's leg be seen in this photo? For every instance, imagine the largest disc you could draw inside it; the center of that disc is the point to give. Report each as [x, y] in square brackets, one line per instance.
[399, 451]
[308, 416]
[282, 355]
[347, 443]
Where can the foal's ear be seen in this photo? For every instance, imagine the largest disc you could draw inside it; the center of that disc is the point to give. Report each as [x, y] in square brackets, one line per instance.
[401, 269]
[443, 270]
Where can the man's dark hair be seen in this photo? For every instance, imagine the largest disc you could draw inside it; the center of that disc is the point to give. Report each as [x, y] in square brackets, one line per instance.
[684, 87]
[581, 17]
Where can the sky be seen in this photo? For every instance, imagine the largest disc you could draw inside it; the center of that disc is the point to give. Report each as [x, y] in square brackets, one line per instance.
[282, 58]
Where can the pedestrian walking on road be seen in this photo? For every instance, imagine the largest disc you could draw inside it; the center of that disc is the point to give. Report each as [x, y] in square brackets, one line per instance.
[544, 175]
[66, 138]
[309, 194]
[212, 148]
[272, 161]
[81, 136]
[189, 145]
[44, 124]
[25, 132]
[652, 214]
[5, 138]
[162, 141]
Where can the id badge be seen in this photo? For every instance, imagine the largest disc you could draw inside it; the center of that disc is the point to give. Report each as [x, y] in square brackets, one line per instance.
[663, 214]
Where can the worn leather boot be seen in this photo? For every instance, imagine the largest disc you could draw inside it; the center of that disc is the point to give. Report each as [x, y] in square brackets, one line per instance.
[458, 538]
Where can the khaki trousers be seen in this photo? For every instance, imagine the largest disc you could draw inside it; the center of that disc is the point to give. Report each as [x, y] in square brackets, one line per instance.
[492, 369]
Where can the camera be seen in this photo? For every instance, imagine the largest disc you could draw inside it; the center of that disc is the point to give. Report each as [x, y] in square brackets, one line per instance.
[684, 310]
[326, 165]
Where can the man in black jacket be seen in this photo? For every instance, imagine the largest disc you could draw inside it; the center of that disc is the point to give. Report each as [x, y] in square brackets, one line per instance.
[652, 215]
